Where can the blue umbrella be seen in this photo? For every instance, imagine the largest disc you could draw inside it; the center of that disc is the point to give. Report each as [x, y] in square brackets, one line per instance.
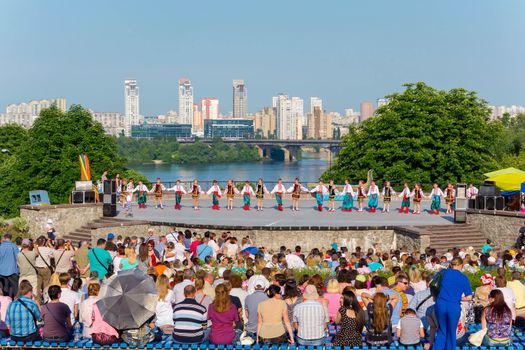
[250, 250]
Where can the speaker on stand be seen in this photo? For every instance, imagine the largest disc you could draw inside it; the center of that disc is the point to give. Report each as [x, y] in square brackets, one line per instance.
[460, 204]
[109, 208]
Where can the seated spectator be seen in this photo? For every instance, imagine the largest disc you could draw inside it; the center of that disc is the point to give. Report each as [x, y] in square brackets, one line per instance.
[86, 308]
[410, 329]
[189, 319]
[351, 317]
[57, 317]
[69, 297]
[310, 319]
[102, 333]
[292, 296]
[379, 325]
[497, 320]
[178, 289]
[481, 294]
[334, 298]
[519, 290]
[251, 306]
[201, 297]
[4, 304]
[417, 281]
[164, 308]
[422, 301]
[23, 315]
[223, 315]
[273, 318]
[508, 294]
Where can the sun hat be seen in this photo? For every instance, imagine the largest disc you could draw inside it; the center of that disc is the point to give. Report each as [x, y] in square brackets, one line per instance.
[310, 293]
[487, 279]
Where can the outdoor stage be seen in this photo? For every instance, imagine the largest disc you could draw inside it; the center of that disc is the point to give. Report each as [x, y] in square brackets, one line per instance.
[308, 216]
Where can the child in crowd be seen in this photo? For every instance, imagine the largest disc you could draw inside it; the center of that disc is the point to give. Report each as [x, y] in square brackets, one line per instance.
[410, 329]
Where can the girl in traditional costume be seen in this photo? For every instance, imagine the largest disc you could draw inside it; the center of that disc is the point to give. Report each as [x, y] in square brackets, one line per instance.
[405, 203]
[278, 190]
[373, 197]
[195, 194]
[295, 190]
[417, 195]
[332, 192]
[360, 195]
[158, 189]
[319, 191]
[142, 195]
[259, 193]
[129, 197]
[450, 194]
[231, 191]
[215, 191]
[179, 191]
[348, 199]
[247, 192]
[436, 195]
[387, 194]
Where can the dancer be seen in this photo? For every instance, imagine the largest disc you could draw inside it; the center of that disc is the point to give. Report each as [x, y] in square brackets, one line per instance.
[405, 194]
[179, 191]
[278, 190]
[472, 192]
[332, 192]
[319, 191]
[360, 195]
[231, 191]
[129, 197]
[450, 194]
[158, 189]
[295, 190]
[387, 194]
[260, 191]
[118, 187]
[417, 194]
[247, 191]
[435, 195]
[195, 194]
[142, 195]
[122, 192]
[348, 199]
[373, 197]
[216, 191]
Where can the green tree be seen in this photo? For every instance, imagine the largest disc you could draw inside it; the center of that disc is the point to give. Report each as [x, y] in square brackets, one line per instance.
[423, 135]
[12, 137]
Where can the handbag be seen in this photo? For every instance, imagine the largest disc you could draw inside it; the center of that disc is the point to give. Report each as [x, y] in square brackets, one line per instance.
[435, 284]
[476, 339]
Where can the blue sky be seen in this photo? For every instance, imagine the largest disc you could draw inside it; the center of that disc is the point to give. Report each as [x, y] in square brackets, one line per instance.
[343, 51]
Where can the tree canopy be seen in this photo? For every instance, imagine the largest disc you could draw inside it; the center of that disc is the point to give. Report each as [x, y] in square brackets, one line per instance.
[423, 135]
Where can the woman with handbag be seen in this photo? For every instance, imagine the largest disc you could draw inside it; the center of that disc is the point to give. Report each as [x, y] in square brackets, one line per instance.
[497, 320]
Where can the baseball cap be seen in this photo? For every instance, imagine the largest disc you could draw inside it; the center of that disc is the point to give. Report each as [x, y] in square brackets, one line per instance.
[111, 236]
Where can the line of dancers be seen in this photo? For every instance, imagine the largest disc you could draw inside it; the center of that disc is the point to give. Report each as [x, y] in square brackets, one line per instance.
[321, 192]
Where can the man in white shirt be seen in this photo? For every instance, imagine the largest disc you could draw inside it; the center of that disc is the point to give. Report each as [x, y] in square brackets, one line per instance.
[179, 287]
[213, 244]
[180, 249]
[261, 280]
[293, 261]
[68, 297]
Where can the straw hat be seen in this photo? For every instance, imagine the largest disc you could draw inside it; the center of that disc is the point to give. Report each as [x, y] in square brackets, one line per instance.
[310, 293]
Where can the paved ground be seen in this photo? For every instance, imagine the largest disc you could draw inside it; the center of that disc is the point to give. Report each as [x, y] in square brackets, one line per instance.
[307, 216]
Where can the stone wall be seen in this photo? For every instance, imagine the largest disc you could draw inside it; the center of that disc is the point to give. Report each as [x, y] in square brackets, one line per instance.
[66, 218]
[500, 226]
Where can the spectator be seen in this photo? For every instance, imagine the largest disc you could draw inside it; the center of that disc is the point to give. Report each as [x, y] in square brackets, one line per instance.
[310, 319]
[63, 257]
[82, 260]
[204, 250]
[153, 255]
[394, 299]
[178, 290]
[461, 329]
[508, 294]
[487, 247]
[164, 308]
[379, 325]
[86, 308]
[129, 261]
[23, 315]
[481, 294]
[261, 279]
[334, 298]
[401, 286]
[57, 317]
[102, 333]
[352, 320]
[416, 280]
[422, 301]
[223, 315]
[208, 283]
[410, 329]
[251, 306]
[272, 315]
[237, 291]
[497, 320]
[189, 319]
[518, 288]
[454, 288]
[117, 260]
[4, 304]
[43, 264]
[10, 270]
[26, 264]
[100, 260]
[292, 296]
[69, 297]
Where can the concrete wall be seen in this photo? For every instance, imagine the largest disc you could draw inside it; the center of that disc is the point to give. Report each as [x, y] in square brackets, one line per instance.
[66, 218]
[500, 226]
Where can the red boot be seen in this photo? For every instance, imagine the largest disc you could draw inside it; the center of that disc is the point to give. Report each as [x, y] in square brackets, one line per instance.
[350, 210]
[320, 207]
[279, 207]
[437, 212]
[401, 210]
[406, 210]
[246, 207]
[432, 212]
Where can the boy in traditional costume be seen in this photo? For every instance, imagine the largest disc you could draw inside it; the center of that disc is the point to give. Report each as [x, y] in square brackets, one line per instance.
[360, 195]
[405, 203]
[387, 194]
[373, 197]
[259, 193]
[450, 194]
[348, 199]
[278, 190]
[319, 191]
[158, 189]
[215, 191]
[195, 194]
[332, 192]
[247, 191]
[436, 195]
[295, 190]
[231, 191]
[142, 195]
[179, 191]
[417, 194]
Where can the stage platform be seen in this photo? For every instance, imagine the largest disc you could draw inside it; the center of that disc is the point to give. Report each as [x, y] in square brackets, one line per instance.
[308, 216]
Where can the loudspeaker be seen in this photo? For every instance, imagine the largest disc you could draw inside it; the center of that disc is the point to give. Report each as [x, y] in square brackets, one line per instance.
[490, 203]
[77, 197]
[110, 186]
[472, 203]
[109, 210]
[460, 216]
[500, 203]
[90, 197]
[461, 203]
[110, 198]
[480, 202]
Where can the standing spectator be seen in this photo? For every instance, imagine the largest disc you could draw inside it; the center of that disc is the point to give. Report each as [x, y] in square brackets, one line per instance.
[189, 319]
[251, 306]
[121, 254]
[223, 315]
[454, 288]
[86, 308]
[518, 288]
[26, 264]
[100, 259]
[82, 260]
[56, 316]
[178, 290]
[63, 257]
[9, 271]
[204, 250]
[179, 248]
[69, 297]
[164, 308]
[379, 325]
[273, 318]
[23, 315]
[352, 320]
[129, 261]
[310, 319]
[334, 298]
[410, 329]
[43, 264]
[497, 320]
[153, 255]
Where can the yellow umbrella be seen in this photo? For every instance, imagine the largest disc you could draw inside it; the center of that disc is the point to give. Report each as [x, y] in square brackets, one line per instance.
[508, 179]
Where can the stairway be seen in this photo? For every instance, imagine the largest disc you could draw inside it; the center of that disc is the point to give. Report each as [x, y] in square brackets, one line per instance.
[84, 232]
[445, 237]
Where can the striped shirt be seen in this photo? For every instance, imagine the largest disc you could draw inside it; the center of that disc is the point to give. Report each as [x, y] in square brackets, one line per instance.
[311, 317]
[188, 318]
[19, 318]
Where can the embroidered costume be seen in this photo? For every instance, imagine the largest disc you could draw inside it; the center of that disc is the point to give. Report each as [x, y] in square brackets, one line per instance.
[348, 198]
[247, 191]
[278, 190]
[405, 204]
[319, 191]
[142, 195]
[436, 195]
[216, 193]
[373, 198]
[179, 191]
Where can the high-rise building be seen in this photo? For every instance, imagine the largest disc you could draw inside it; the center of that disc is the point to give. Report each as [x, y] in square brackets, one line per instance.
[131, 105]
[240, 99]
[319, 125]
[315, 102]
[185, 101]
[25, 113]
[112, 122]
[210, 108]
[60, 103]
[367, 110]
[198, 119]
[264, 122]
[289, 117]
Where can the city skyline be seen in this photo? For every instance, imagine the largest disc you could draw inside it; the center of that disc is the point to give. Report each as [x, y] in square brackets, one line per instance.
[355, 52]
